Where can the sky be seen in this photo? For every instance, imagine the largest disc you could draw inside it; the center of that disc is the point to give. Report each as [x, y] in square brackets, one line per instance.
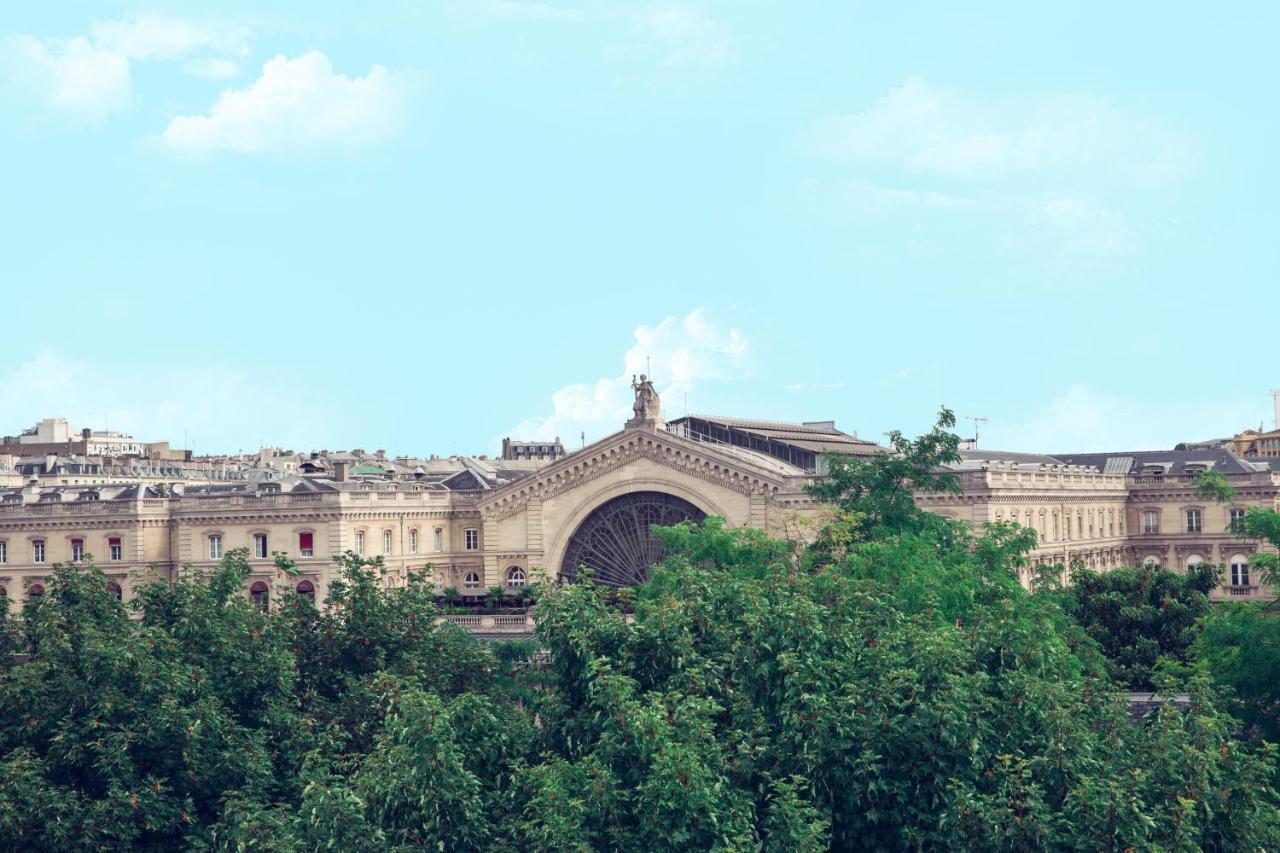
[423, 226]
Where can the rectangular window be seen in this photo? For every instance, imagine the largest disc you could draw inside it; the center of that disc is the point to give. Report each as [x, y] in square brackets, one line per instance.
[386, 541]
[439, 540]
[306, 544]
[1235, 523]
[260, 546]
[1150, 521]
[471, 539]
[77, 550]
[37, 551]
[360, 542]
[215, 547]
[413, 541]
[1193, 521]
[114, 550]
[4, 552]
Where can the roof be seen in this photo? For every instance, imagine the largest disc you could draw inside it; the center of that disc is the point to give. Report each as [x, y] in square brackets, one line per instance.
[1174, 462]
[818, 436]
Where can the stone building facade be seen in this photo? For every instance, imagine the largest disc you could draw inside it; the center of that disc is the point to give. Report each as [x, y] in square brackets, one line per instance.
[473, 524]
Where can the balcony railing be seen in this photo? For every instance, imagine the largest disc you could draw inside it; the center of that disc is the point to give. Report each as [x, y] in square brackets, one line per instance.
[1242, 591]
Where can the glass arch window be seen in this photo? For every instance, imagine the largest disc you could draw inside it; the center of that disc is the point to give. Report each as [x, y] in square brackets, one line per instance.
[260, 594]
[516, 577]
[471, 581]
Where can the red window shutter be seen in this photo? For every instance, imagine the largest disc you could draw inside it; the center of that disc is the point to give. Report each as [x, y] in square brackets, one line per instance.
[304, 541]
[113, 541]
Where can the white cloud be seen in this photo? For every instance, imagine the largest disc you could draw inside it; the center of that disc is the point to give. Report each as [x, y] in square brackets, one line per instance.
[297, 104]
[214, 405]
[683, 352]
[920, 129]
[158, 37]
[689, 37]
[211, 68]
[72, 77]
[1082, 419]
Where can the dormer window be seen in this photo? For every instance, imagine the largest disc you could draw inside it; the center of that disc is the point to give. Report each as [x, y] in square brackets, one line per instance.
[88, 496]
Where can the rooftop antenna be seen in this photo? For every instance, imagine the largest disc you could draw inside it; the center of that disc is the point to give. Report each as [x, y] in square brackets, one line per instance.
[976, 420]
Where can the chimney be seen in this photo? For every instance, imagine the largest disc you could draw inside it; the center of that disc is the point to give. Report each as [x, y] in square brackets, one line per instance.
[339, 472]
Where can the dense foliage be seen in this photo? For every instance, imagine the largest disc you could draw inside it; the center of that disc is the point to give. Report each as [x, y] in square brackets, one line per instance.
[1140, 616]
[890, 687]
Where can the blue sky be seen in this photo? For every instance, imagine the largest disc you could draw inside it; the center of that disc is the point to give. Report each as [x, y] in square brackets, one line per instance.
[423, 226]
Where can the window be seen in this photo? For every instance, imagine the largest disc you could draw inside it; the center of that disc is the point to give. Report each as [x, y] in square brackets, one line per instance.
[386, 541]
[4, 595]
[307, 590]
[114, 549]
[4, 551]
[1235, 521]
[471, 581]
[37, 551]
[35, 590]
[215, 547]
[360, 542]
[1193, 521]
[1111, 522]
[1194, 560]
[471, 539]
[515, 577]
[1239, 570]
[438, 544]
[413, 541]
[1151, 561]
[260, 595]
[114, 589]
[260, 546]
[1151, 521]
[1080, 525]
[77, 550]
[306, 544]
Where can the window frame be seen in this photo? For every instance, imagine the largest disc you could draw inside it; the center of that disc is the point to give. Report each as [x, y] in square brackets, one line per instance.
[115, 548]
[471, 539]
[39, 551]
[471, 580]
[261, 537]
[213, 543]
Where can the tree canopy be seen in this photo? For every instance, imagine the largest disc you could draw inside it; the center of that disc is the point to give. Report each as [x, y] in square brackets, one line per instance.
[888, 686]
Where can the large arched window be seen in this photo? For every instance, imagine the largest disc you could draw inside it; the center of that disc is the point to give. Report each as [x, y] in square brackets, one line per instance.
[1239, 570]
[471, 581]
[307, 590]
[1194, 560]
[114, 589]
[1151, 561]
[516, 577]
[35, 590]
[4, 595]
[261, 595]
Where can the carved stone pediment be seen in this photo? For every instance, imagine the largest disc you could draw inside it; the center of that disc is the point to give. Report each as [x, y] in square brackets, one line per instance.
[690, 458]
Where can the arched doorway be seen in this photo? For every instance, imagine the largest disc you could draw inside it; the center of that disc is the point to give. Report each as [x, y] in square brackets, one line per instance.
[616, 541]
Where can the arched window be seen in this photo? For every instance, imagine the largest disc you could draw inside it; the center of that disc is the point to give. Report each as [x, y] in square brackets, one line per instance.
[471, 581]
[4, 595]
[260, 595]
[35, 590]
[307, 590]
[1151, 561]
[515, 577]
[439, 582]
[1194, 560]
[1239, 570]
[114, 589]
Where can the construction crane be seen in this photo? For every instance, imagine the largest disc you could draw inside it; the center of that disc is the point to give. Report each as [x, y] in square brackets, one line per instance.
[976, 420]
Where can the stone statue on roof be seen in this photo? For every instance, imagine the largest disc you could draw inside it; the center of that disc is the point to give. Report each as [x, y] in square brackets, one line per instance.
[647, 406]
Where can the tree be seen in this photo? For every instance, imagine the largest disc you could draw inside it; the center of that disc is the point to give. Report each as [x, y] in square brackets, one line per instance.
[1139, 615]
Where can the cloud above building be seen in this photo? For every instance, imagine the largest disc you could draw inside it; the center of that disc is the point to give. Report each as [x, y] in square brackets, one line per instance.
[682, 352]
[297, 104]
[70, 79]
